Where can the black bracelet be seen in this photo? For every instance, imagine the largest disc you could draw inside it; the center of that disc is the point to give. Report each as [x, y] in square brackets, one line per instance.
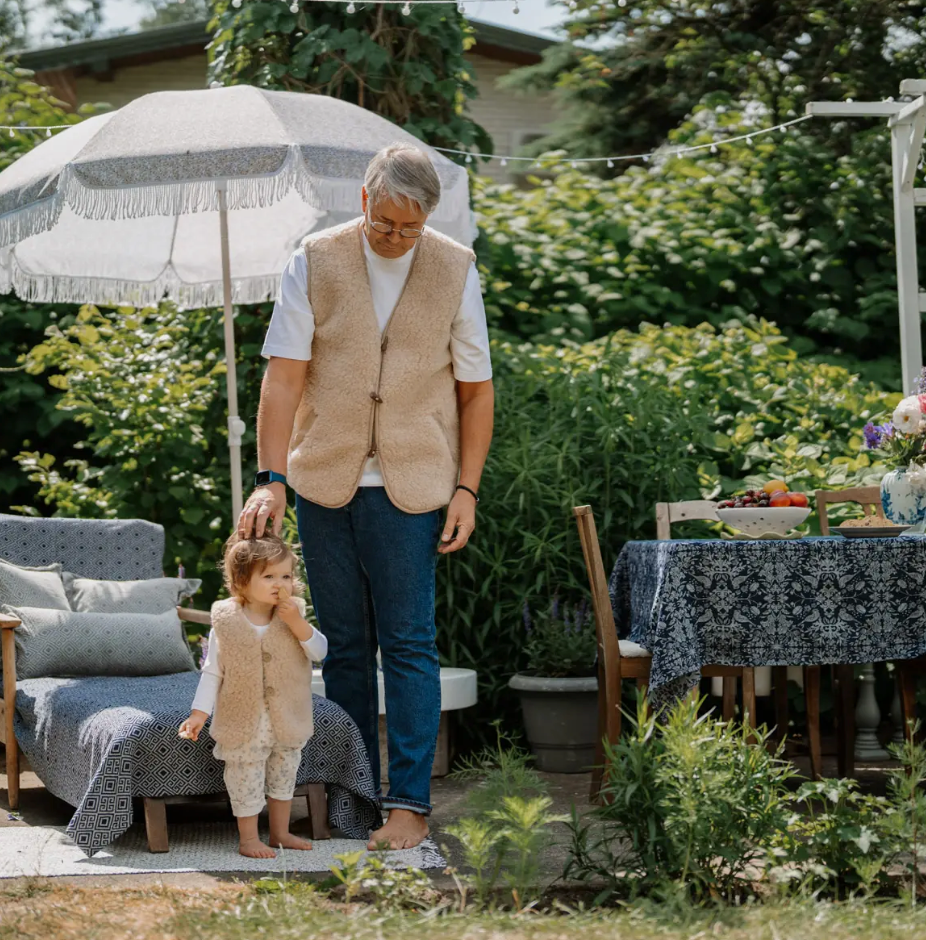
[472, 493]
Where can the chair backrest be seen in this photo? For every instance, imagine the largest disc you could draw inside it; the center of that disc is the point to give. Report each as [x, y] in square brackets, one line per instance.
[693, 509]
[609, 649]
[105, 549]
[868, 496]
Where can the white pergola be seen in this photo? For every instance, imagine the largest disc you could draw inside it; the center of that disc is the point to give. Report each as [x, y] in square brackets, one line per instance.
[907, 123]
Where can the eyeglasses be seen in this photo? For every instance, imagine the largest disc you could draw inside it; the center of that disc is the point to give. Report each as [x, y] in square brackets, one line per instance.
[386, 228]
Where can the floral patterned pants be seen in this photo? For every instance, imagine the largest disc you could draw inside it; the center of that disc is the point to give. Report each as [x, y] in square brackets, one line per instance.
[258, 769]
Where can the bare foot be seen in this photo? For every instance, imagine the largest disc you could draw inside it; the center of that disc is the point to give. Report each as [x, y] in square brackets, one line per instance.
[289, 841]
[403, 830]
[254, 848]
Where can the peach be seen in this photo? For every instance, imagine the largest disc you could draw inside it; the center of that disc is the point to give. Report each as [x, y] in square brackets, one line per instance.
[775, 486]
[780, 499]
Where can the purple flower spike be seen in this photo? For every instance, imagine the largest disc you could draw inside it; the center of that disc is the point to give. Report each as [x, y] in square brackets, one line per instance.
[887, 430]
[554, 608]
[921, 384]
[873, 436]
[527, 618]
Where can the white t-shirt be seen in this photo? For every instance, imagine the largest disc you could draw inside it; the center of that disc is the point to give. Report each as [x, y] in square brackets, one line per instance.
[292, 325]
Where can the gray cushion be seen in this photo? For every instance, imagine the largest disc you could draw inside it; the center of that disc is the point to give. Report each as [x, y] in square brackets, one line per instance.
[69, 643]
[153, 596]
[111, 549]
[32, 587]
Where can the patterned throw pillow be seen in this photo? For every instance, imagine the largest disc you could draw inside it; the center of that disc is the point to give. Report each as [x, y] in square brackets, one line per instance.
[69, 643]
[154, 596]
[32, 587]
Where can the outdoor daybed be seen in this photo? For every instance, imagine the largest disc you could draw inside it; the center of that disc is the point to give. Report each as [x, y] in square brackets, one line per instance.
[102, 742]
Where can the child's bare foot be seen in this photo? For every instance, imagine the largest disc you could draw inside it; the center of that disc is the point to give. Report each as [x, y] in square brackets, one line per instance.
[288, 841]
[254, 848]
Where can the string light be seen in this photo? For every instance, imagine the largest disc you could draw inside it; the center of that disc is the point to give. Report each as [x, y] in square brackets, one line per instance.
[535, 162]
[516, 9]
[407, 9]
[294, 8]
[351, 8]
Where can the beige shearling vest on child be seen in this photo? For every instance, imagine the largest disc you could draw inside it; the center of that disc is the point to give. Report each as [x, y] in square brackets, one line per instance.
[392, 394]
[273, 666]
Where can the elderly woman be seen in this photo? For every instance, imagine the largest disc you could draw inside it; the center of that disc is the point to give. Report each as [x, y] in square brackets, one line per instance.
[377, 408]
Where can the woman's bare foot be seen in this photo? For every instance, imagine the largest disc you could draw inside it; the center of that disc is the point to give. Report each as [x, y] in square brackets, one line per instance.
[403, 830]
[254, 848]
[288, 841]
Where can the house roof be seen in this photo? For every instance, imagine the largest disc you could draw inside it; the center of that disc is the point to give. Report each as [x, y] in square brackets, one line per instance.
[168, 39]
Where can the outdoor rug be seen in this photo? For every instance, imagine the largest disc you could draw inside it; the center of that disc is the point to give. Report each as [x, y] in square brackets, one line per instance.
[29, 851]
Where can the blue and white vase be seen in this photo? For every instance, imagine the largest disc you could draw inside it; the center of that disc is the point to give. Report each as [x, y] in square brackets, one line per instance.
[903, 503]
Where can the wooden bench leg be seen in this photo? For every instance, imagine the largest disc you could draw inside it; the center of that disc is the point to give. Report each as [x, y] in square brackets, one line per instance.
[845, 715]
[780, 683]
[812, 697]
[317, 803]
[907, 681]
[156, 824]
[729, 698]
[749, 699]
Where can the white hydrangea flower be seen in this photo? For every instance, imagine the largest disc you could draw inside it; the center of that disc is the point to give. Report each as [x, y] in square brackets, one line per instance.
[908, 417]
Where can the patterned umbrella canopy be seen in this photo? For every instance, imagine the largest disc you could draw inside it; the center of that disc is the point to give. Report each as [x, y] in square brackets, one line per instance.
[197, 197]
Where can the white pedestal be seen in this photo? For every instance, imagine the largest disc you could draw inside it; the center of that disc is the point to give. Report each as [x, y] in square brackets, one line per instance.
[867, 719]
[457, 690]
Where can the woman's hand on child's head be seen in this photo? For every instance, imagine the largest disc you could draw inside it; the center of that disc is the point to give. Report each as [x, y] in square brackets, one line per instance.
[288, 610]
[193, 725]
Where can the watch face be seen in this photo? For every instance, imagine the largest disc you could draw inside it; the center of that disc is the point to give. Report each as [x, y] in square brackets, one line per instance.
[262, 478]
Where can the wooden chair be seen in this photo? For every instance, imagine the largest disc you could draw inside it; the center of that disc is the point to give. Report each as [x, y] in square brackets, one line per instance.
[693, 510]
[155, 808]
[869, 498]
[621, 659]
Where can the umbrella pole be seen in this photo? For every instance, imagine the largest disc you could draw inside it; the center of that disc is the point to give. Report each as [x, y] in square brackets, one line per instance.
[236, 426]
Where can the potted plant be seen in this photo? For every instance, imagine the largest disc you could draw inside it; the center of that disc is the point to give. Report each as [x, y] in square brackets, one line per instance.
[559, 688]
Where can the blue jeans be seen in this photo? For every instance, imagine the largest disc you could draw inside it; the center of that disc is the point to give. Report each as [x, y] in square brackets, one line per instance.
[370, 569]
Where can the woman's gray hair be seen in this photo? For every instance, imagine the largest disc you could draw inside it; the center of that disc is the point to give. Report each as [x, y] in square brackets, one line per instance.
[403, 173]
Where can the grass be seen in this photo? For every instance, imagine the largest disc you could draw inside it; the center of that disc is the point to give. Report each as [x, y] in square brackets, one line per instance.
[52, 910]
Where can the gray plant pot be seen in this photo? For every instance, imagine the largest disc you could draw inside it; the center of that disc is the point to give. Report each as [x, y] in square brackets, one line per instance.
[561, 720]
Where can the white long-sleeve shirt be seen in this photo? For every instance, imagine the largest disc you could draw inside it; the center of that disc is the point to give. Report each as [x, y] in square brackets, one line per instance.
[315, 648]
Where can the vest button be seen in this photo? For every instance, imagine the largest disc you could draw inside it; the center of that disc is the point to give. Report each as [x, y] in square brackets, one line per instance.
[267, 657]
[376, 397]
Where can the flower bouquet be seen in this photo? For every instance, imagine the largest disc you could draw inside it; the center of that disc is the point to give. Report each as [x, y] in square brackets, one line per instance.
[901, 442]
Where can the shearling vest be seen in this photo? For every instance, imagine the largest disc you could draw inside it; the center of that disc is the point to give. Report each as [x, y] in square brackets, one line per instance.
[367, 393]
[272, 667]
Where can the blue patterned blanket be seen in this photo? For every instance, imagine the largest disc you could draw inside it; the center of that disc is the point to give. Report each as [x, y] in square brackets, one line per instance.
[98, 742]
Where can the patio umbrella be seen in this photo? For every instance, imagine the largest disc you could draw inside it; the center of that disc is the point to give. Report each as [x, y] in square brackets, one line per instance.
[197, 197]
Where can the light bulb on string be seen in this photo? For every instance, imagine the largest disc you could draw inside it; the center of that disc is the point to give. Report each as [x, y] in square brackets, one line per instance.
[236, 4]
[351, 8]
[461, 6]
[574, 165]
[294, 8]
[713, 148]
[504, 161]
[749, 141]
[407, 9]
[646, 158]
[48, 134]
[622, 3]
[516, 9]
[610, 164]
[469, 158]
[11, 132]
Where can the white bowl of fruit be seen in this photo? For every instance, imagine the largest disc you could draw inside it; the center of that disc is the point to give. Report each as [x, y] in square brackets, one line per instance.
[770, 511]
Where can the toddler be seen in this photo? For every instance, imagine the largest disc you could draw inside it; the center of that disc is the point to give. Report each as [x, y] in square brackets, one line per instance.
[257, 685]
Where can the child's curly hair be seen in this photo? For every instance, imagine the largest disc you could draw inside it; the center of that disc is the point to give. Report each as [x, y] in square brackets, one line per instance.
[246, 557]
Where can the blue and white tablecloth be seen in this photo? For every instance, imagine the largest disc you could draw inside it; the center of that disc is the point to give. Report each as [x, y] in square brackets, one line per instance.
[763, 603]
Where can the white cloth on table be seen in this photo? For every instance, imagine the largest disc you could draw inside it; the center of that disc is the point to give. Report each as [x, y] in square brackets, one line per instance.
[292, 326]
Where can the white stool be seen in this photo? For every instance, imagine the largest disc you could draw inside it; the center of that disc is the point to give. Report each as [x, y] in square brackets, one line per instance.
[457, 690]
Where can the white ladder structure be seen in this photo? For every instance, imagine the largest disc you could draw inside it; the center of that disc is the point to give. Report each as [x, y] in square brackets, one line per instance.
[907, 124]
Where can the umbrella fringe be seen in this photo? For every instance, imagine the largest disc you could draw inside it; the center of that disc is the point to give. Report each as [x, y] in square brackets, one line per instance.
[33, 219]
[128, 293]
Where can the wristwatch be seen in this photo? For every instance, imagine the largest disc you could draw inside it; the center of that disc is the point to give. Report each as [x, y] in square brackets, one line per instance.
[264, 477]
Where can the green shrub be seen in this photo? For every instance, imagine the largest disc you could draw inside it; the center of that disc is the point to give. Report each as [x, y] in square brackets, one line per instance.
[692, 806]
[561, 640]
[510, 826]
